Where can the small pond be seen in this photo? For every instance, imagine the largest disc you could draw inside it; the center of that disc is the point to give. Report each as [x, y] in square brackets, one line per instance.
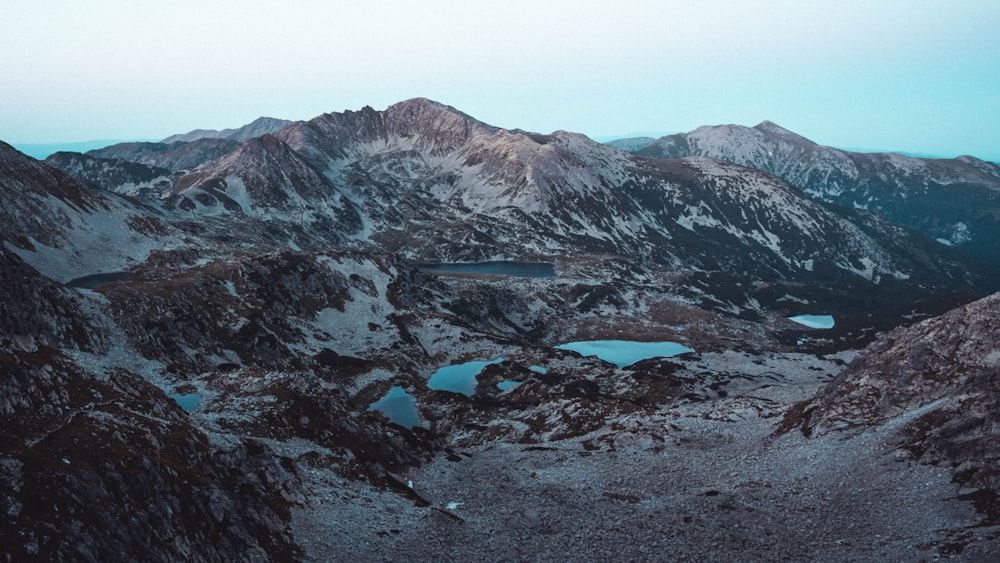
[503, 268]
[814, 321]
[508, 385]
[459, 378]
[187, 401]
[625, 352]
[399, 407]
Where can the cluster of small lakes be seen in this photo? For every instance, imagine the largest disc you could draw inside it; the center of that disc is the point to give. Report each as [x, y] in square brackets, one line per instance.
[399, 406]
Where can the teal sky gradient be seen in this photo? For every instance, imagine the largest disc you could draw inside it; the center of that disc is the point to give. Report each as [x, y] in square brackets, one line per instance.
[919, 77]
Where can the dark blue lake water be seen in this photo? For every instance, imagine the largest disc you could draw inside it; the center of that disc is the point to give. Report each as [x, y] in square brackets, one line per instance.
[502, 268]
[95, 280]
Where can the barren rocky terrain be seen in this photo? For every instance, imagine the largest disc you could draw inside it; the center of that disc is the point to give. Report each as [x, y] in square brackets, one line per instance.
[704, 480]
[195, 335]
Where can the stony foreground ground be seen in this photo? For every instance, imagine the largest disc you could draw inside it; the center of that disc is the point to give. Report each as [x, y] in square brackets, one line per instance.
[699, 481]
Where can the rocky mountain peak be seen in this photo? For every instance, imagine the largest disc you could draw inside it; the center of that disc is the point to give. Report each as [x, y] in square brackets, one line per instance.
[773, 129]
[941, 198]
[436, 126]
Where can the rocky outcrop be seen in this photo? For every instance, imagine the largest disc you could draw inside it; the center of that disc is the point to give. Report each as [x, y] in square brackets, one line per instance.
[263, 311]
[115, 174]
[97, 467]
[35, 312]
[939, 383]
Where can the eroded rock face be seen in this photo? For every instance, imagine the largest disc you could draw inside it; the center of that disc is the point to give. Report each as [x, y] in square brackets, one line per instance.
[940, 380]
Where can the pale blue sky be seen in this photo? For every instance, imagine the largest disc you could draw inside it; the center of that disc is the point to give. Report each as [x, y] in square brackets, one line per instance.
[917, 76]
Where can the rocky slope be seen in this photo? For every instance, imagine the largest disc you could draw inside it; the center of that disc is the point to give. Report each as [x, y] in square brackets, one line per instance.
[66, 228]
[936, 384]
[175, 156]
[952, 200]
[121, 176]
[433, 184]
[265, 179]
[99, 463]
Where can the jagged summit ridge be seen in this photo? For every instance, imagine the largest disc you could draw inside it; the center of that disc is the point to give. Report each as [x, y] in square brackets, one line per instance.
[418, 122]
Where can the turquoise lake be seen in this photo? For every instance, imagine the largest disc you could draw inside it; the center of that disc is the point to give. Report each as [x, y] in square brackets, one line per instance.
[624, 353]
[814, 321]
[188, 401]
[459, 378]
[399, 407]
[508, 385]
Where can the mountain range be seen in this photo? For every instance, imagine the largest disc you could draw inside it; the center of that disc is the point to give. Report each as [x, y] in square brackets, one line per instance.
[275, 273]
[953, 200]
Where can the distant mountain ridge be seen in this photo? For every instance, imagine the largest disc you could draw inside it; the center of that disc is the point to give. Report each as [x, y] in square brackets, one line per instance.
[956, 201]
[42, 151]
[425, 180]
[256, 128]
[434, 184]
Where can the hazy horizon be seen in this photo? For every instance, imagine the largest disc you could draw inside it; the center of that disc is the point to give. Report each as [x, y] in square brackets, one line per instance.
[890, 75]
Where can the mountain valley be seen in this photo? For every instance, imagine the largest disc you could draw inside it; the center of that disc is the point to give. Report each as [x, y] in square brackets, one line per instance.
[277, 273]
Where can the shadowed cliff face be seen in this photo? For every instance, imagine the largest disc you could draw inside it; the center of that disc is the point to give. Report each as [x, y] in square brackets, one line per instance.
[99, 464]
[105, 466]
